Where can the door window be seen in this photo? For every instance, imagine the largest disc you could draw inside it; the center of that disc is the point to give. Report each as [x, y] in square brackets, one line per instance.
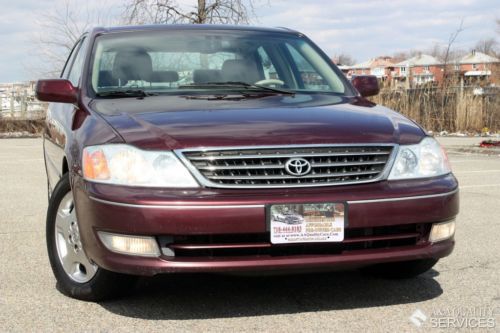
[76, 68]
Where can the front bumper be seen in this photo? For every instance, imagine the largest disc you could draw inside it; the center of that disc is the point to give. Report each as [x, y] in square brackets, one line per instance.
[210, 213]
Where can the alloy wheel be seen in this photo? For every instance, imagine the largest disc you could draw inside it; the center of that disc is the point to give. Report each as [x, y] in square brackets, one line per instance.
[69, 246]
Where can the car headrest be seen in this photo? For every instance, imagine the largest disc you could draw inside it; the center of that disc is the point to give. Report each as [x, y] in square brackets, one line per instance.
[106, 79]
[164, 76]
[243, 70]
[206, 75]
[132, 65]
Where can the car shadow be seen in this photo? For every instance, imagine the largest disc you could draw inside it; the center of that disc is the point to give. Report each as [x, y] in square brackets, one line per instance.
[208, 296]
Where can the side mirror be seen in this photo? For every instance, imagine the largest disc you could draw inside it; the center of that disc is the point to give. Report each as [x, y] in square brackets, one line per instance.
[56, 90]
[367, 85]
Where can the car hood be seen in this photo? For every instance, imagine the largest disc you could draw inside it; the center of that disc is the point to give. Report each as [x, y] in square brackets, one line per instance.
[173, 122]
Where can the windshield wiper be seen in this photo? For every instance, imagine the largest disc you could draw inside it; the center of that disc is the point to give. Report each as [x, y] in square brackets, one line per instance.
[231, 97]
[125, 93]
[237, 84]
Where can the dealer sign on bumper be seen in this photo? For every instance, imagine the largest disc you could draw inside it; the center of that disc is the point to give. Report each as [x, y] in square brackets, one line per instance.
[307, 223]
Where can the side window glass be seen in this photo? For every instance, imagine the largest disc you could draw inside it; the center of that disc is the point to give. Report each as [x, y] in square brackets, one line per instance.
[71, 58]
[267, 66]
[76, 69]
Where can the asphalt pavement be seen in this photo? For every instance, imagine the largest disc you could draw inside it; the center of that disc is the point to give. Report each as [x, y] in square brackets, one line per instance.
[464, 288]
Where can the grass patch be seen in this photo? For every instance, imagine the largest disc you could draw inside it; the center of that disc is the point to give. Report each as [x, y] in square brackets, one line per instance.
[30, 127]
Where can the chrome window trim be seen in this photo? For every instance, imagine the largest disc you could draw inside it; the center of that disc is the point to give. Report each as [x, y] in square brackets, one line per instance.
[207, 183]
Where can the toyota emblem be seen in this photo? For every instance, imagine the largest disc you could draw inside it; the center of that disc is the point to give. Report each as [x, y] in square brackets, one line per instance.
[298, 166]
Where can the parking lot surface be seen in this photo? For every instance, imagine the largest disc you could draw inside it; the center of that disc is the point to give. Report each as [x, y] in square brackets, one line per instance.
[339, 301]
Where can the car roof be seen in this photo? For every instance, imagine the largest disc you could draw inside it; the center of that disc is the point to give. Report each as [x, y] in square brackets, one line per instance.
[180, 27]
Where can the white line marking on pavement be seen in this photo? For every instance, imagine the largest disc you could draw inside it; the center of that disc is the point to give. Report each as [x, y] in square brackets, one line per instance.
[475, 171]
[464, 161]
[451, 152]
[484, 185]
[23, 160]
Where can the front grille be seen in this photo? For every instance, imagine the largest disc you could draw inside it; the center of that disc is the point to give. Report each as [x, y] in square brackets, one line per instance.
[238, 245]
[265, 167]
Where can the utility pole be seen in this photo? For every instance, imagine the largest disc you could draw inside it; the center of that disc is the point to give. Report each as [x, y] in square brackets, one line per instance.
[12, 102]
[24, 104]
[408, 76]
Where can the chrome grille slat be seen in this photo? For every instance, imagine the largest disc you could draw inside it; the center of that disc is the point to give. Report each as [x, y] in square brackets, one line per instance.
[319, 175]
[238, 157]
[282, 166]
[264, 167]
[241, 167]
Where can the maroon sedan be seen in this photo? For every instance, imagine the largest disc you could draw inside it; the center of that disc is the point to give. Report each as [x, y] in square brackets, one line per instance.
[184, 148]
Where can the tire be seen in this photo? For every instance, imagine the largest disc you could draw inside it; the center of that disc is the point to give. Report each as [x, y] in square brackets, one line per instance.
[76, 275]
[400, 270]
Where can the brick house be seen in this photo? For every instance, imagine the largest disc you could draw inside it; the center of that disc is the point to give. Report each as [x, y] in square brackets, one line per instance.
[478, 66]
[474, 68]
[345, 69]
[362, 68]
[381, 67]
[418, 70]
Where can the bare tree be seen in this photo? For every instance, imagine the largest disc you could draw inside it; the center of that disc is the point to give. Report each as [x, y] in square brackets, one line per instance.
[202, 11]
[487, 46]
[436, 51]
[400, 56]
[448, 56]
[448, 48]
[439, 52]
[404, 55]
[344, 59]
[58, 31]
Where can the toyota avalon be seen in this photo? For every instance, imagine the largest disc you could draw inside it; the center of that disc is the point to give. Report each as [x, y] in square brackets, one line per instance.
[170, 148]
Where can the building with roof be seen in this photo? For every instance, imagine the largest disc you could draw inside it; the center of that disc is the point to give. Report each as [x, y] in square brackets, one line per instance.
[17, 100]
[477, 66]
[420, 69]
[473, 68]
[381, 67]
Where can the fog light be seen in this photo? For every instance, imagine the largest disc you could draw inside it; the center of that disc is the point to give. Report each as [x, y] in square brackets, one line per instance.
[133, 245]
[442, 231]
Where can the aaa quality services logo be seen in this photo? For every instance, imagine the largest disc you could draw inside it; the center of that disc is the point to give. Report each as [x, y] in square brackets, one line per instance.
[459, 317]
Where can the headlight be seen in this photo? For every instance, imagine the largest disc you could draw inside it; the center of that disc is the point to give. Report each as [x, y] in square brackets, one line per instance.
[126, 165]
[427, 159]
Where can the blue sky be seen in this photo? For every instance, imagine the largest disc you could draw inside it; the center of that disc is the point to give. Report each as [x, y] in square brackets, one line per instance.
[360, 28]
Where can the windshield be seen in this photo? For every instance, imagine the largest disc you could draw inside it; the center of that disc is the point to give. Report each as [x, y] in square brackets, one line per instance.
[203, 60]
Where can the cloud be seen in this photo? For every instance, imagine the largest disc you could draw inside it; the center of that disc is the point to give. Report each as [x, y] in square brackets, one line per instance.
[361, 28]
[367, 28]
[20, 21]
